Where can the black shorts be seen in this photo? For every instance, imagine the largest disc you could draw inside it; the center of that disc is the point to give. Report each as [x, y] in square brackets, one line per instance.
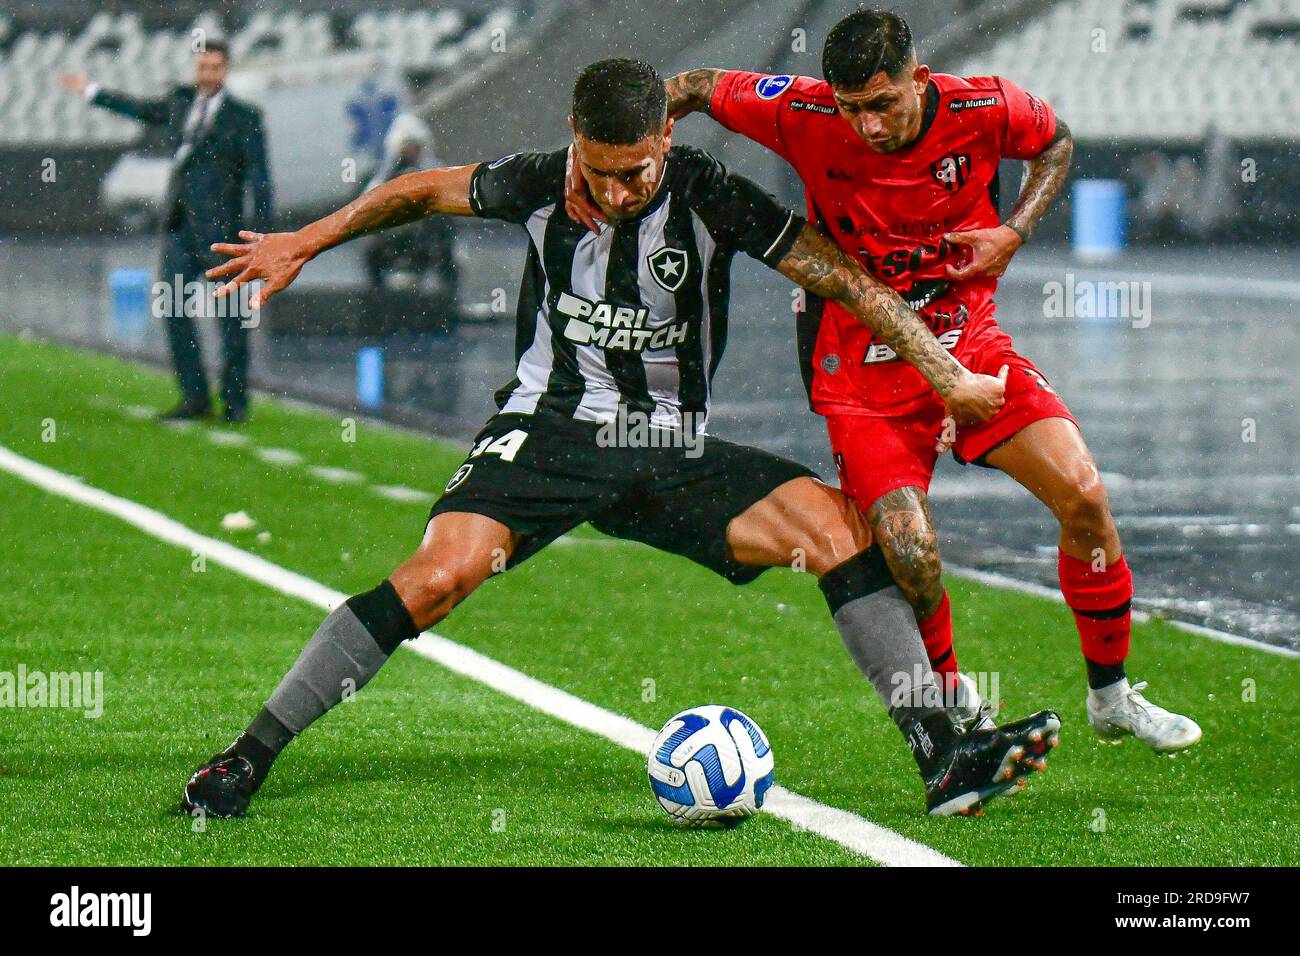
[543, 475]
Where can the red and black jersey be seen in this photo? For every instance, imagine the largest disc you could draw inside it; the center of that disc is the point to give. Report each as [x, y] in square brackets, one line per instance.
[891, 211]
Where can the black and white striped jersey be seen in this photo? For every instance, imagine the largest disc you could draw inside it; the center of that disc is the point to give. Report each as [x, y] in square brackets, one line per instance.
[634, 319]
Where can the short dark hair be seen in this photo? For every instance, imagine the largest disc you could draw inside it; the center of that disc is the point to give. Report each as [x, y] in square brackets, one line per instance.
[619, 102]
[864, 43]
[216, 45]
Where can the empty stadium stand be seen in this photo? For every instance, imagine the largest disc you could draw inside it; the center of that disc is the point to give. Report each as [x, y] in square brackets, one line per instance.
[129, 52]
[1160, 70]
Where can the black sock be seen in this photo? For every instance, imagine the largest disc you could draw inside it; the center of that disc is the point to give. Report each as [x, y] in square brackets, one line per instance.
[382, 613]
[1103, 675]
[261, 743]
[267, 730]
[930, 735]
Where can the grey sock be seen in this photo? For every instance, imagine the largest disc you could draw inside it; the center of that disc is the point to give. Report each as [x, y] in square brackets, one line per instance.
[339, 660]
[879, 630]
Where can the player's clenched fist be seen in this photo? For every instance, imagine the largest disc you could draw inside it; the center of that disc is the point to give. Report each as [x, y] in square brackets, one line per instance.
[276, 258]
[976, 397]
[984, 252]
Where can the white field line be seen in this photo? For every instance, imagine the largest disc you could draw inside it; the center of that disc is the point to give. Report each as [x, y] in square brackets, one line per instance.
[407, 495]
[285, 457]
[1004, 582]
[840, 826]
[993, 579]
[227, 439]
[402, 493]
[339, 476]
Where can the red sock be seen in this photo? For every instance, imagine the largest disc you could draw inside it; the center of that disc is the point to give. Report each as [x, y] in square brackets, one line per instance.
[936, 634]
[1101, 603]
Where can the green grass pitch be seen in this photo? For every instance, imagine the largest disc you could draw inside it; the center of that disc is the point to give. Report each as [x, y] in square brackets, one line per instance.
[428, 767]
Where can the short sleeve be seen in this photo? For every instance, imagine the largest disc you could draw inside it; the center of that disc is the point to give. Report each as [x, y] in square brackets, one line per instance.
[750, 104]
[1031, 122]
[741, 215]
[514, 186]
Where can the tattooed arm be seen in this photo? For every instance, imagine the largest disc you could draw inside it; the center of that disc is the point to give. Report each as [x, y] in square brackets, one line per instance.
[1044, 176]
[992, 249]
[818, 265]
[278, 257]
[691, 92]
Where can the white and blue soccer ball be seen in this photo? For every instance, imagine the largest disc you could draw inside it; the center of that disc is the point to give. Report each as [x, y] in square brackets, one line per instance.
[711, 766]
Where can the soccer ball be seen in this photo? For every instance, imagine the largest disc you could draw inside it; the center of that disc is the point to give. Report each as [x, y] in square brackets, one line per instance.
[710, 766]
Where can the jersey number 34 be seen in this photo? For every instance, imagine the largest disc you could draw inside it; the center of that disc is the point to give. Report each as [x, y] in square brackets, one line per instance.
[507, 446]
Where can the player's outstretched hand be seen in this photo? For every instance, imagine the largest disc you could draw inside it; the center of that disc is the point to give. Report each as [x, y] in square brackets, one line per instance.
[275, 257]
[987, 252]
[977, 398]
[577, 198]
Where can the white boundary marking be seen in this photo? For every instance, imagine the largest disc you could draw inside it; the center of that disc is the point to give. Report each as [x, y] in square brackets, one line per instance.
[338, 476]
[279, 456]
[849, 830]
[1005, 582]
[403, 494]
[993, 579]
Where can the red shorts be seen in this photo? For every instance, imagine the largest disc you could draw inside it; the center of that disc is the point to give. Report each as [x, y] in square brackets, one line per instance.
[877, 454]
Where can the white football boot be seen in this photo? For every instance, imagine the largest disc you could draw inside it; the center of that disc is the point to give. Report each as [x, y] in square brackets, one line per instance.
[1119, 709]
[970, 711]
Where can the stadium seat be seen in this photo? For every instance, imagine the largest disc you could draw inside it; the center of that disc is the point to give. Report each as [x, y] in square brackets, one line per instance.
[1169, 67]
[119, 51]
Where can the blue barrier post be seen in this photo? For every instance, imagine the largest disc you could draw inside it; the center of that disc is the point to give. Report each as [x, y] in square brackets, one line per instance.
[370, 377]
[128, 296]
[1098, 227]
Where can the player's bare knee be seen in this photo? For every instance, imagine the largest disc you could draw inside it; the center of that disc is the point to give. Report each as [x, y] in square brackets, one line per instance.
[831, 535]
[1086, 509]
[431, 588]
[830, 547]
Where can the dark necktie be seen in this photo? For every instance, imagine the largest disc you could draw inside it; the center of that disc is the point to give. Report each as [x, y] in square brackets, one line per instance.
[194, 127]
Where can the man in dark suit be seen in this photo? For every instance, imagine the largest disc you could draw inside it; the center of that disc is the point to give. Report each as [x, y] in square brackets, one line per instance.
[219, 153]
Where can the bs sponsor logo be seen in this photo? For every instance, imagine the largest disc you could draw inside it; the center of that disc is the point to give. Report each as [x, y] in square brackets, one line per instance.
[958, 105]
[951, 171]
[880, 352]
[770, 87]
